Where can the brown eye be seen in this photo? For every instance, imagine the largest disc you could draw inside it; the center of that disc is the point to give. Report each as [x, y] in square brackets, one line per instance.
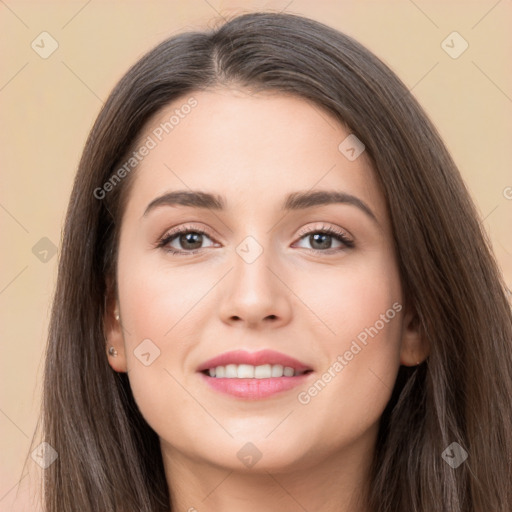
[190, 240]
[321, 240]
[184, 241]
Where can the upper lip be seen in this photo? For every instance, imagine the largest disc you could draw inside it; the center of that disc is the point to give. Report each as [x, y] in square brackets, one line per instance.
[255, 359]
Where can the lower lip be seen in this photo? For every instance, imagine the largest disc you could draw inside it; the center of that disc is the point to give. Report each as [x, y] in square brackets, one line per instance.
[254, 389]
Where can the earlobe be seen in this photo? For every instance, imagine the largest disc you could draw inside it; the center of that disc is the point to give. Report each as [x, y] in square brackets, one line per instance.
[414, 347]
[113, 331]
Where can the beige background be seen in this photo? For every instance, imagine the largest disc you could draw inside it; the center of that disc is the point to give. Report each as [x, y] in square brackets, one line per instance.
[49, 105]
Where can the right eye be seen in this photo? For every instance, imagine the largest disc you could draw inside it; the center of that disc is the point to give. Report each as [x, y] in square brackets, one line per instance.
[190, 239]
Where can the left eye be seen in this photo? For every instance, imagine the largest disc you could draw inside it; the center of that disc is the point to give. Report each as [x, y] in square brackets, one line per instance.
[324, 239]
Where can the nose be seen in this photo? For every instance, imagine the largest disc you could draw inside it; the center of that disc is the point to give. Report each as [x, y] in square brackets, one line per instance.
[256, 294]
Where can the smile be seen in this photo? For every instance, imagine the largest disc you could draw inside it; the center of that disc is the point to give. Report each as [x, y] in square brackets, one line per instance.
[253, 375]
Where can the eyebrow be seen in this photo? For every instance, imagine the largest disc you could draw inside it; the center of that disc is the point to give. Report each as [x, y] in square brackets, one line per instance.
[293, 201]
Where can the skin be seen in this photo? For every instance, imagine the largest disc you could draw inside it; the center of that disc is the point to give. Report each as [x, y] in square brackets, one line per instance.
[254, 149]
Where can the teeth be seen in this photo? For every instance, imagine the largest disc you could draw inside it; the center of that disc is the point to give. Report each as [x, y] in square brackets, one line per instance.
[231, 372]
[277, 370]
[244, 371]
[288, 372]
[248, 371]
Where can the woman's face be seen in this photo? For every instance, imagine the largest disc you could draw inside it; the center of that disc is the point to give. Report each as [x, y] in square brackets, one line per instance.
[258, 274]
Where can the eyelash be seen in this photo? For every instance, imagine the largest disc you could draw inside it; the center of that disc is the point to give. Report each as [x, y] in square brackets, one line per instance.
[327, 230]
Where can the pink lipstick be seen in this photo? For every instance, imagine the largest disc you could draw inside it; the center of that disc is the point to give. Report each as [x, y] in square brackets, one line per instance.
[253, 375]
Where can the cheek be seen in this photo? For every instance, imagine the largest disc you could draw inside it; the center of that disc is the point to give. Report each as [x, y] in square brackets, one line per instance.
[365, 312]
[155, 299]
[363, 309]
[161, 310]
[362, 306]
[360, 300]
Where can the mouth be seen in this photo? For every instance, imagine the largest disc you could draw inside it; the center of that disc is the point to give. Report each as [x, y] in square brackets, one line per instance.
[253, 375]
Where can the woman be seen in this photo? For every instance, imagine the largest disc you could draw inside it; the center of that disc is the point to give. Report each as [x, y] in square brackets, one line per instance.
[336, 338]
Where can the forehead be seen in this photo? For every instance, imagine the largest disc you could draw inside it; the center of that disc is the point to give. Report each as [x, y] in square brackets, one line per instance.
[251, 148]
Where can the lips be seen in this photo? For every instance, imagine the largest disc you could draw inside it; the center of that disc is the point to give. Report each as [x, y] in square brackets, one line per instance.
[254, 375]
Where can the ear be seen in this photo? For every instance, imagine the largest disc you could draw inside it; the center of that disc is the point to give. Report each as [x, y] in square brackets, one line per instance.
[414, 347]
[113, 330]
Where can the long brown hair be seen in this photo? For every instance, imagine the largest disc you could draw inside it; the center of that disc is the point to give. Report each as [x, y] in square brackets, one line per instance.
[109, 458]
